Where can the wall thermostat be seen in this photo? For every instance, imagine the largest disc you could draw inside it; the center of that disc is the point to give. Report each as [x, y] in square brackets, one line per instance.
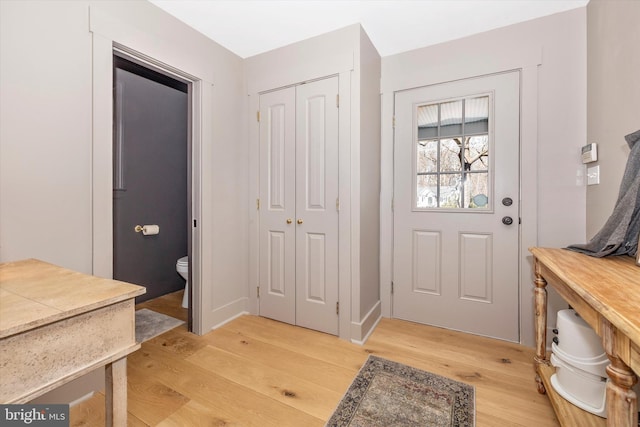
[589, 153]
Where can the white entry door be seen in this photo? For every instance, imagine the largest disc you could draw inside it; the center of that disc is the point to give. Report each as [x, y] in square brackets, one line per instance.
[299, 205]
[456, 205]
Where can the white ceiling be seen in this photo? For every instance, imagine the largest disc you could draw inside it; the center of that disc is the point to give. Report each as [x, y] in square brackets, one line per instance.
[250, 27]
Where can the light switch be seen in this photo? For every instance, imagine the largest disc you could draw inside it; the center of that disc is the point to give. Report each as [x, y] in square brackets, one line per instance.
[593, 175]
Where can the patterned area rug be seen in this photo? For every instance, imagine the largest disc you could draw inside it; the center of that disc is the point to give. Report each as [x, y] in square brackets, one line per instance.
[150, 324]
[387, 393]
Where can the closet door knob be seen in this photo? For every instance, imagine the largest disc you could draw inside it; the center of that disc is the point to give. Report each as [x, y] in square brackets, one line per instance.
[299, 221]
[289, 220]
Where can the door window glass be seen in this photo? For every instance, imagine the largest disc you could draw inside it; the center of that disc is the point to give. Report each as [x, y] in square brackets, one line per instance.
[452, 154]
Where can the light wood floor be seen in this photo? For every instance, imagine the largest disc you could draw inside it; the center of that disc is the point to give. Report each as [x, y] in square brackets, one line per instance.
[258, 372]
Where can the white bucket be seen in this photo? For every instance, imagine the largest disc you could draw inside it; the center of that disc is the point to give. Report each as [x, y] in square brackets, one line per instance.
[583, 389]
[576, 338]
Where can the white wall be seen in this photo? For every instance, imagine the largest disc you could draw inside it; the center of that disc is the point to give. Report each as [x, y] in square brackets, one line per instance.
[45, 136]
[46, 130]
[47, 167]
[50, 161]
[369, 180]
[219, 260]
[613, 41]
[551, 52]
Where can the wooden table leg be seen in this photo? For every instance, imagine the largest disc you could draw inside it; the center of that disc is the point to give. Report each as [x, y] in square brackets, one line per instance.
[116, 393]
[540, 324]
[622, 402]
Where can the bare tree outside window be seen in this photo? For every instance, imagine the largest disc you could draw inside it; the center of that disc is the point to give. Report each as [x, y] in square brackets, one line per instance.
[452, 154]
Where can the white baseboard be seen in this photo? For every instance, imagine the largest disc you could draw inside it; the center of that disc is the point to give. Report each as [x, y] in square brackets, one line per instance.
[82, 399]
[227, 313]
[360, 331]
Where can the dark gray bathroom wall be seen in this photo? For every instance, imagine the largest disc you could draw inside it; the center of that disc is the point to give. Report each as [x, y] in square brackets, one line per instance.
[150, 146]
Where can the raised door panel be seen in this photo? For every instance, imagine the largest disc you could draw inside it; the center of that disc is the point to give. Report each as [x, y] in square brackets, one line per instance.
[277, 264]
[276, 145]
[314, 144]
[426, 262]
[476, 267]
[315, 276]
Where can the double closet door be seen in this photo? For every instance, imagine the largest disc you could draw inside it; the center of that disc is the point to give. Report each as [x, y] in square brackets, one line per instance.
[298, 206]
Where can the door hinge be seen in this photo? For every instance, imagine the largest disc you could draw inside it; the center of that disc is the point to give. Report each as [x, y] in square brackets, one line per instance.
[258, 291]
[337, 101]
[338, 307]
[195, 223]
[392, 199]
[391, 287]
[338, 204]
[258, 115]
[393, 121]
[258, 204]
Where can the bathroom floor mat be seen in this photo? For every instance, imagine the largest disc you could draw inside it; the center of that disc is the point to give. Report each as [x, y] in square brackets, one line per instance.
[150, 324]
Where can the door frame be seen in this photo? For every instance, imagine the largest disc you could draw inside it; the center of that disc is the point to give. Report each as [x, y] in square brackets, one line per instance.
[106, 40]
[416, 70]
[150, 64]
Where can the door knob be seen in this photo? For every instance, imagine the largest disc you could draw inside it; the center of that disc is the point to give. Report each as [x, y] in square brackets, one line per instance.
[507, 201]
[507, 220]
[289, 220]
[299, 221]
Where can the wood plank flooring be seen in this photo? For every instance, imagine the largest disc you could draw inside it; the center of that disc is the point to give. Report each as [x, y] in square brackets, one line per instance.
[258, 372]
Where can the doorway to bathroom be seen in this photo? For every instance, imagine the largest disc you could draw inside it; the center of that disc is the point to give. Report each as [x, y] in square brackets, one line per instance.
[151, 171]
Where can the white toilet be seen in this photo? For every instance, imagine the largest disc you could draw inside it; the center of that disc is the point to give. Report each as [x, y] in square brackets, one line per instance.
[182, 267]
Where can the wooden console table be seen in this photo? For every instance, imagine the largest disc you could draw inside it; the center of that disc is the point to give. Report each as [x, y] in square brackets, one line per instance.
[57, 325]
[606, 294]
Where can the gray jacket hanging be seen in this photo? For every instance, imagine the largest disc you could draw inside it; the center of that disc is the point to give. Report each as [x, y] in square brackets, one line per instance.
[619, 236]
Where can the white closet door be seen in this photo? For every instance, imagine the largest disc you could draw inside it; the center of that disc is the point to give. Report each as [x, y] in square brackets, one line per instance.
[299, 205]
[317, 205]
[277, 210]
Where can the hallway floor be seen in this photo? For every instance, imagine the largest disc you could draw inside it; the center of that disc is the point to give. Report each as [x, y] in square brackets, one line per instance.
[255, 371]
